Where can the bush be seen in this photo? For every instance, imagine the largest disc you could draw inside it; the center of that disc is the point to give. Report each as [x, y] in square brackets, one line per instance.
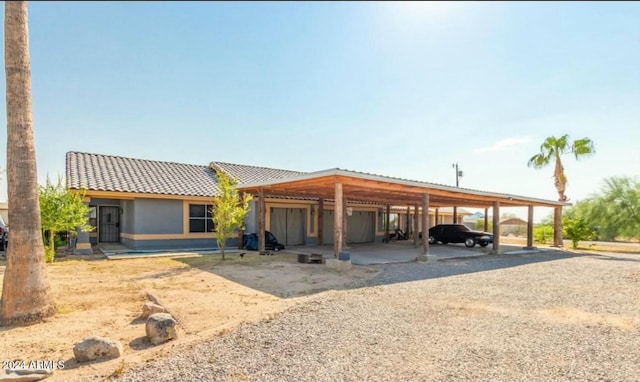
[543, 233]
[577, 230]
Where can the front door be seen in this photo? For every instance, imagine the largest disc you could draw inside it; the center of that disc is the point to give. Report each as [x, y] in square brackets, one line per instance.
[109, 225]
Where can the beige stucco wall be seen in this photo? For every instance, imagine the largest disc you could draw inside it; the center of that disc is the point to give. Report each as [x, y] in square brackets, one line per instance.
[4, 212]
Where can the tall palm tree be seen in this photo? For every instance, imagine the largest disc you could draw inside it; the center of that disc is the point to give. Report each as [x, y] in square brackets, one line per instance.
[552, 149]
[26, 295]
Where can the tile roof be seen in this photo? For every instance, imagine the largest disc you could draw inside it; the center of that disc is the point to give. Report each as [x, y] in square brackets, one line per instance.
[113, 173]
[100, 172]
[252, 174]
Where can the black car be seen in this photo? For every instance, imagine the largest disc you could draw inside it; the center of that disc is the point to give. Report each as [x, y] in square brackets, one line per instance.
[270, 242]
[458, 233]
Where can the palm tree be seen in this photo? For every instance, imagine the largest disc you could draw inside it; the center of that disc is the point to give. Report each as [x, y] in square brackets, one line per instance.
[26, 295]
[552, 149]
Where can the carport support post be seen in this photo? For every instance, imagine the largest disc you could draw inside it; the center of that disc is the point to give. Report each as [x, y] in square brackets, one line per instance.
[416, 229]
[557, 227]
[425, 230]
[455, 215]
[496, 226]
[387, 220]
[408, 222]
[338, 218]
[486, 219]
[241, 230]
[530, 228]
[344, 222]
[437, 216]
[320, 221]
[261, 221]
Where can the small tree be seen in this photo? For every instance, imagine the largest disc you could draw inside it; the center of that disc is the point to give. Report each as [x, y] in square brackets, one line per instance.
[61, 210]
[542, 233]
[576, 229]
[229, 210]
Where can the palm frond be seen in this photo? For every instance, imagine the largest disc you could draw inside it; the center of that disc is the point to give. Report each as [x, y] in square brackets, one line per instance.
[583, 147]
[539, 161]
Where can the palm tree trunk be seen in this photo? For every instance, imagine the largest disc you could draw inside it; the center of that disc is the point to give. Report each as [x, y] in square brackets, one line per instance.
[560, 179]
[25, 291]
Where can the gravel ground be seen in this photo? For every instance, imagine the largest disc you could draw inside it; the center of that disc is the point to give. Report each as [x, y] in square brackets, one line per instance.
[543, 317]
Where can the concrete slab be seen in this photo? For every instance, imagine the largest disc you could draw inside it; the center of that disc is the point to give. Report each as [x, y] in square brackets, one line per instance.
[404, 251]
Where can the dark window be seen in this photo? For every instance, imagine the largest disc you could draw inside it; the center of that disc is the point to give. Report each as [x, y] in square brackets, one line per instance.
[200, 218]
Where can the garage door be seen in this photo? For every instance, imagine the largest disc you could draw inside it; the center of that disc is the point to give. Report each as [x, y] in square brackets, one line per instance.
[360, 227]
[327, 227]
[288, 225]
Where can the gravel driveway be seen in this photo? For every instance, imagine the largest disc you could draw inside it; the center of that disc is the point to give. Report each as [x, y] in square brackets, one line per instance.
[542, 317]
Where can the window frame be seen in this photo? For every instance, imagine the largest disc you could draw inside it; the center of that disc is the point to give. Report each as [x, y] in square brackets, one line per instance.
[209, 227]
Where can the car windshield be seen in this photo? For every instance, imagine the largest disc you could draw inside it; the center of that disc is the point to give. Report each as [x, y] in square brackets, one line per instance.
[461, 228]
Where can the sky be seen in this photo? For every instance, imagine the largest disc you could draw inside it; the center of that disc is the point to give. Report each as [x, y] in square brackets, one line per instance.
[403, 89]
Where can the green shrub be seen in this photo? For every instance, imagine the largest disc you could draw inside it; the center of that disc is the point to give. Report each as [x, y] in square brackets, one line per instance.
[543, 233]
[576, 229]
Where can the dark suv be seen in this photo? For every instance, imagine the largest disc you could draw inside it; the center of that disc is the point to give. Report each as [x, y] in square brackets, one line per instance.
[270, 242]
[458, 233]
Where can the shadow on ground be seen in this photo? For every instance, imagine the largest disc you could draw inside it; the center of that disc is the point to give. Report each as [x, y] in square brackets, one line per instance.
[270, 276]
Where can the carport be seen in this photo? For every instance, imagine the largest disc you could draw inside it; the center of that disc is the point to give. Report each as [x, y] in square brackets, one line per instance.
[343, 187]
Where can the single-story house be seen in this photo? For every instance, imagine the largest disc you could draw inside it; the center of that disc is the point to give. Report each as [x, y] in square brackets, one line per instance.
[513, 226]
[148, 204]
[4, 212]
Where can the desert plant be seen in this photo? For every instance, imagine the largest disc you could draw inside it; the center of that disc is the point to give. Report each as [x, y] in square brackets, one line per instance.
[61, 210]
[576, 229]
[552, 149]
[542, 233]
[229, 210]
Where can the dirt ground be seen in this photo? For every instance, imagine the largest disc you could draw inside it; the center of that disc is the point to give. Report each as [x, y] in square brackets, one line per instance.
[208, 296]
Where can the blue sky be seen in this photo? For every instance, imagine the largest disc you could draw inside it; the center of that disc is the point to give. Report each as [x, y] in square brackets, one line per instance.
[402, 89]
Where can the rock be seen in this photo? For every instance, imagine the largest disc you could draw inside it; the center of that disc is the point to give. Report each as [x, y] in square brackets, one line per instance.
[25, 375]
[150, 308]
[161, 327]
[97, 347]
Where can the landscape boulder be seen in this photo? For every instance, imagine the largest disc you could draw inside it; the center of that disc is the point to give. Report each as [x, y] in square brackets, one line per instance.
[161, 327]
[150, 308]
[25, 375]
[92, 348]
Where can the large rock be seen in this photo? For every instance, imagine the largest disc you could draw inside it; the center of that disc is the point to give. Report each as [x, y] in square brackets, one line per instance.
[161, 327]
[150, 308]
[92, 348]
[25, 375]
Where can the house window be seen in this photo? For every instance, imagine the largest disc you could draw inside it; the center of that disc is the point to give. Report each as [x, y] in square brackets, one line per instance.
[200, 218]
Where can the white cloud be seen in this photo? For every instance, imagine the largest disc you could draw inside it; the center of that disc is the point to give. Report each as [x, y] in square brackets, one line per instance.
[503, 144]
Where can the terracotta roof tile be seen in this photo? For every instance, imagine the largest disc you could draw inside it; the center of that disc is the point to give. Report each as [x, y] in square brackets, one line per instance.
[252, 174]
[100, 172]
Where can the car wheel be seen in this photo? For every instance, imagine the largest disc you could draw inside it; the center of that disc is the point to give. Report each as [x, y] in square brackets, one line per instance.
[432, 240]
[484, 244]
[470, 242]
[276, 249]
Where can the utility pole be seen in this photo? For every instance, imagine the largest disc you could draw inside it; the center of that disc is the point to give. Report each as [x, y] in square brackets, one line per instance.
[459, 174]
